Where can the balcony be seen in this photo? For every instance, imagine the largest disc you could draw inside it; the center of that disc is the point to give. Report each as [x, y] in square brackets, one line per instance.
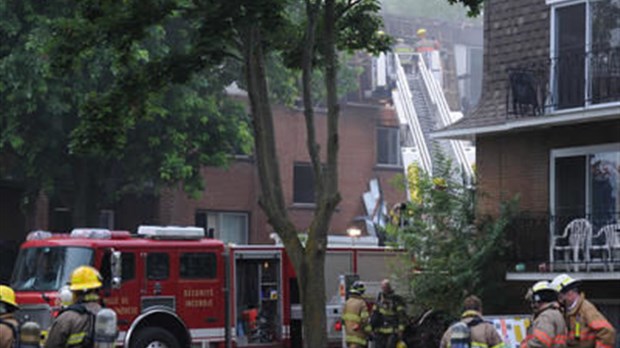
[543, 244]
[572, 80]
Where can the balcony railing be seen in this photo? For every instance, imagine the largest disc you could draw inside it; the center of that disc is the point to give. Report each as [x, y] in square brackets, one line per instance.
[544, 243]
[578, 79]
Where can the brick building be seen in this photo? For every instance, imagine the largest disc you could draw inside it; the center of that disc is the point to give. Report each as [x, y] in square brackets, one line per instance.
[548, 129]
[369, 148]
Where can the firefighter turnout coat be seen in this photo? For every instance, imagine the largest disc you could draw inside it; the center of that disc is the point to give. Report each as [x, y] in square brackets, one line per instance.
[548, 330]
[7, 333]
[393, 314]
[483, 333]
[74, 328]
[355, 316]
[587, 327]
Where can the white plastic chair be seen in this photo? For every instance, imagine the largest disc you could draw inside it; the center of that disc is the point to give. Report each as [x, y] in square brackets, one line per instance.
[612, 242]
[607, 233]
[576, 233]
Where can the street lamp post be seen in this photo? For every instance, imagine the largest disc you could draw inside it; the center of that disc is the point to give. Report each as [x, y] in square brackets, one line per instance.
[354, 233]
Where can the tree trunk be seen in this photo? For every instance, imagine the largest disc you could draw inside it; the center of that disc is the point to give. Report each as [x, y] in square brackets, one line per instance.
[311, 282]
[309, 260]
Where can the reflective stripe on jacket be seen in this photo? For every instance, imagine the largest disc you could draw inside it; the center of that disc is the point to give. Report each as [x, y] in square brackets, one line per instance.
[483, 335]
[393, 310]
[71, 328]
[548, 329]
[588, 328]
[355, 316]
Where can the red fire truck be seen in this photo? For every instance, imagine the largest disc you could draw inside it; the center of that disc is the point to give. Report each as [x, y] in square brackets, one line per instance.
[172, 287]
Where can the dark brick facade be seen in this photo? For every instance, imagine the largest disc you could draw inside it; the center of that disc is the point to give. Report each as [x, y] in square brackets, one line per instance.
[514, 159]
[515, 33]
[518, 163]
[236, 188]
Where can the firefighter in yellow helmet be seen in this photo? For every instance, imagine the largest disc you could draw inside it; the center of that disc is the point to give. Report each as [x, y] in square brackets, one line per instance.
[587, 327]
[74, 326]
[356, 317]
[548, 329]
[8, 323]
[425, 44]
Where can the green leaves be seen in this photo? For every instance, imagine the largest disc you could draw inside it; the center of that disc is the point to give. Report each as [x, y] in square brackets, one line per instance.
[129, 90]
[454, 253]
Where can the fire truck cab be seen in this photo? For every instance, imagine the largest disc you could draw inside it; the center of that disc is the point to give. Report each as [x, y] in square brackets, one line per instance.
[172, 287]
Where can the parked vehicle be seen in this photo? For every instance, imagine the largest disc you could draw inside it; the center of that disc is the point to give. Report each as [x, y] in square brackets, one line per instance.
[171, 286]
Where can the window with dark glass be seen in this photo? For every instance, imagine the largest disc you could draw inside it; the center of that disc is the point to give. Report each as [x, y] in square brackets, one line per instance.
[586, 53]
[157, 266]
[303, 183]
[388, 146]
[198, 266]
[586, 184]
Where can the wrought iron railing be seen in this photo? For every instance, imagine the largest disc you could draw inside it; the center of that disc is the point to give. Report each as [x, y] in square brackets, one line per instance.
[541, 242]
[572, 79]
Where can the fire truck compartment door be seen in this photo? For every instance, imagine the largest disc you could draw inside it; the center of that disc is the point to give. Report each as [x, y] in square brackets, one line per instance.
[159, 280]
[258, 296]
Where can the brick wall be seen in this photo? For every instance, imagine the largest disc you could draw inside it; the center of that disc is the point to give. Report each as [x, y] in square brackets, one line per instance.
[518, 163]
[515, 33]
[237, 189]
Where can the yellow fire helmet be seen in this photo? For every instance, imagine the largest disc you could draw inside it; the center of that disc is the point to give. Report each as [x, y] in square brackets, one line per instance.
[421, 31]
[85, 278]
[7, 295]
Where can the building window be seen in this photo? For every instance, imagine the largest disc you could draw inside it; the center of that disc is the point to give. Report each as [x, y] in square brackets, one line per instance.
[198, 266]
[585, 52]
[585, 183]
[230, 227]
[388, 146]
[106, 219]
[303, 183]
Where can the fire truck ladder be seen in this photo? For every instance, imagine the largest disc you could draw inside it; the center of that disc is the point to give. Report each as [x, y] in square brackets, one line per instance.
[422, 108]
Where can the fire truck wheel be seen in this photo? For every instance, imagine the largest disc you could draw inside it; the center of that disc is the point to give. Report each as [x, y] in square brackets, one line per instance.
[151, 337]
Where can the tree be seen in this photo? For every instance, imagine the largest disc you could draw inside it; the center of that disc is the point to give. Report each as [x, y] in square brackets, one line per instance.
[453, 253]
[439, 9]
[306, 34]
[45, 116]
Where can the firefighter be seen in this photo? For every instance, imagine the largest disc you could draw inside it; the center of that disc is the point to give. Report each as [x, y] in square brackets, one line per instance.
[391, 317]
[587, 327]
[425, 44]
[476, 331]
[8, 323]
[74, 326]
[355, 316]
[425, 47]
[548, 329]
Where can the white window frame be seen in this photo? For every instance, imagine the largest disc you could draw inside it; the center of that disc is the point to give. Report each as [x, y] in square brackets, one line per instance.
[575, 151]
[587, 103]
[218, 227]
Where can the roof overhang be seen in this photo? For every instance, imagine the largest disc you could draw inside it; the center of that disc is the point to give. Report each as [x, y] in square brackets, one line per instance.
[592, 113]
[536, 276]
